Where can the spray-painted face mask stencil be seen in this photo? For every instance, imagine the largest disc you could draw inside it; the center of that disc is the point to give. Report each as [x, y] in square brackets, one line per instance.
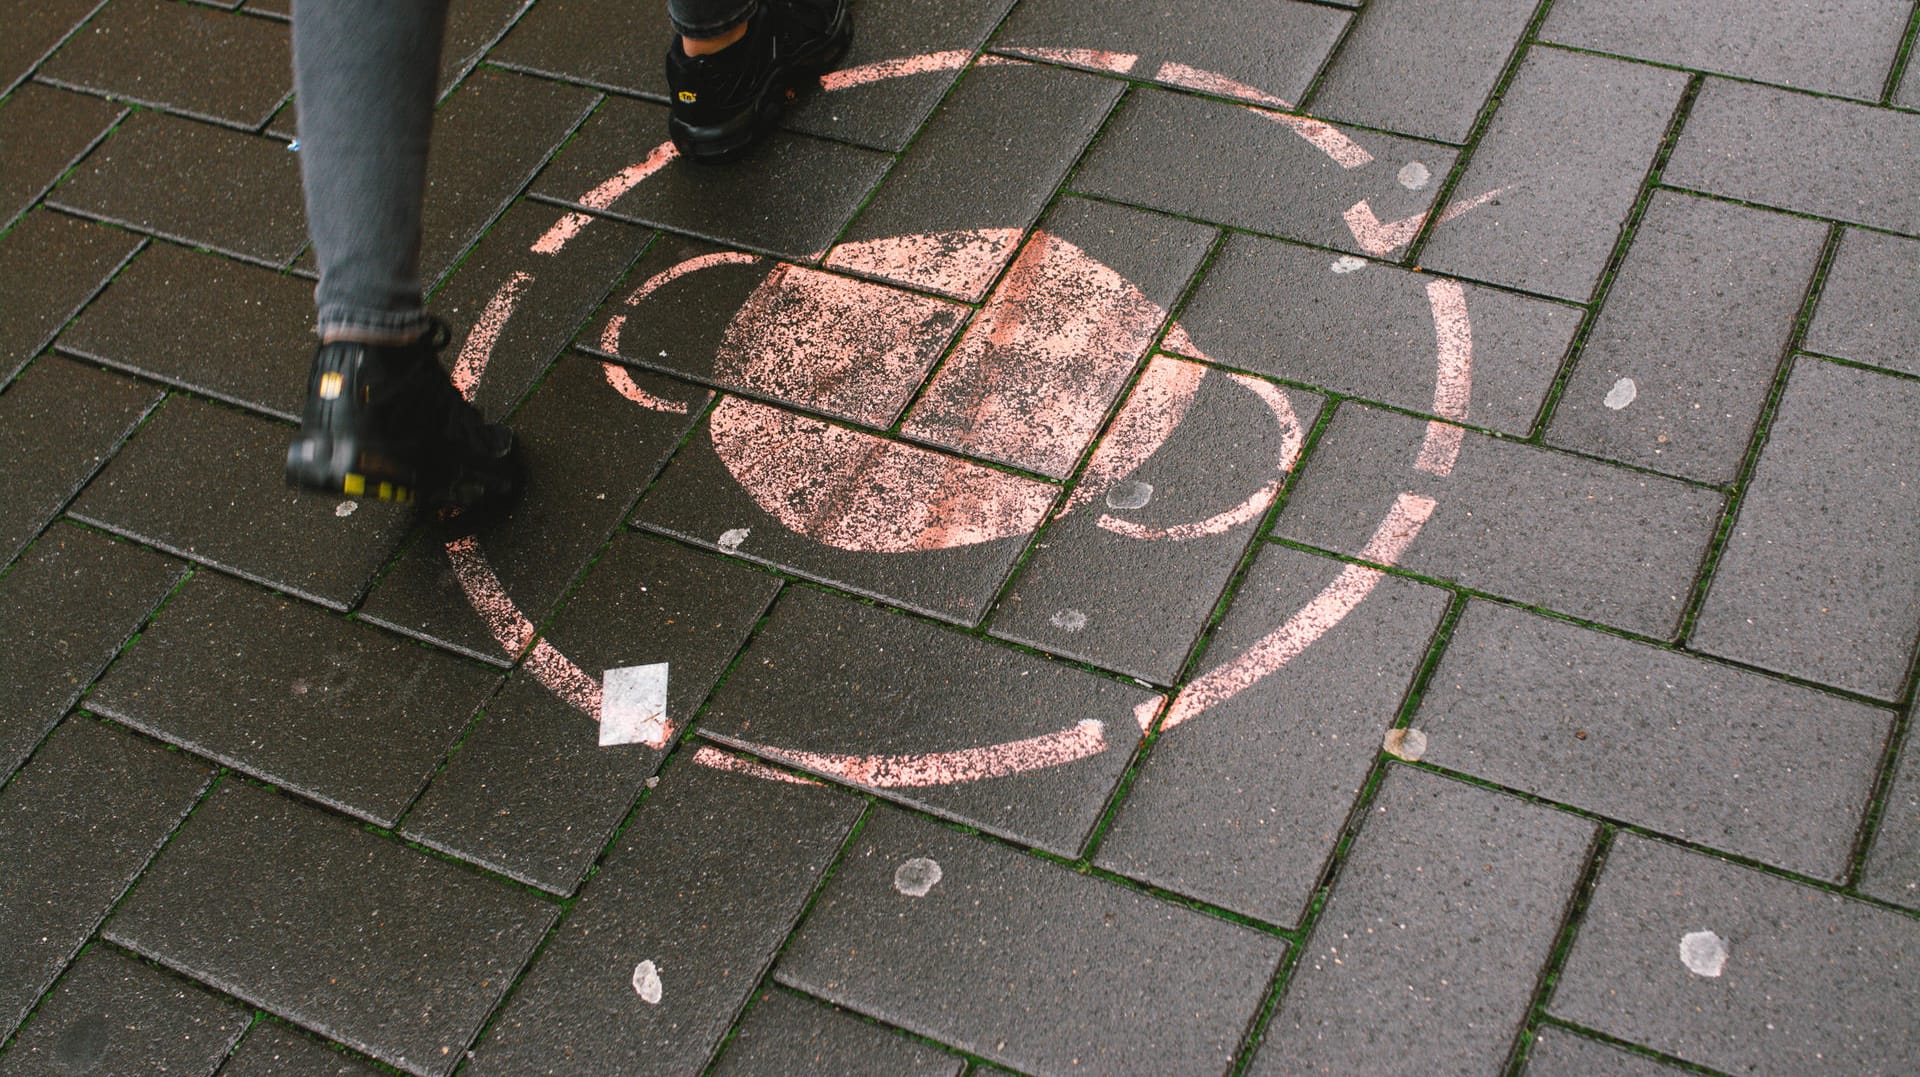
[1030, 383]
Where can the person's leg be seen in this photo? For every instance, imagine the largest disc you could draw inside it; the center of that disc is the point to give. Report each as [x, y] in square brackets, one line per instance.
[732, 62]
[381, 417]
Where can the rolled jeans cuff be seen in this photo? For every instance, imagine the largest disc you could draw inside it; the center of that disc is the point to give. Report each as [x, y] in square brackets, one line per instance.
[697, 18]
[398, 326]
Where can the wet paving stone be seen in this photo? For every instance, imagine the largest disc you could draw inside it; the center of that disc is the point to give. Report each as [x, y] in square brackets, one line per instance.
[1843, 48]
[1893, 864]
[643, 974]
[28, 41]
[1821, 575]
[1566, 186]
[1127, 580]
[273, 1050]
[77, 824]
[1420, 67]
[478, 165]
[531, 793]
[971, 730]
[50, 265]
[1264, 171]
[1243, 798]
[789, 1034]
[1015, 959]
[1446, 908]
[205, 482]
[335, 928]
[182, 57]
[952, 212]
[201, 185]
[1206, 47]
[600, 42]
[1376, 331]
[1037, 371]
[1645, 735]
[113, 1014]
[1793, 979]
[43, 131]
[1539, 527]
[359, 718]
[897, 522]
[822, 342]
[1869, 308]
[224, 328]
[515, 302]
[66, 609]
[1677, 367]
[589, 454]
[790, 197]
[59, 422]
[1559, 1053]
[1815, 155]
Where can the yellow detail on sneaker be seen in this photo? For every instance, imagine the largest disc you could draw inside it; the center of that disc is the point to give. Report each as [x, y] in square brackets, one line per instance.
[385, 493]
[330, 384]
[687, 97]
[353, 485]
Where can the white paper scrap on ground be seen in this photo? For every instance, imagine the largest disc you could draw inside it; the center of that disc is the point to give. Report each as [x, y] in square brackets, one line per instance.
[633, 704]
[646, 983]
[1621, 394]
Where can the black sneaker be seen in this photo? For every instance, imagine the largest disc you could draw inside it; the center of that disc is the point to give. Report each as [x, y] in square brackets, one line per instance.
[724, 102]
[384, 421]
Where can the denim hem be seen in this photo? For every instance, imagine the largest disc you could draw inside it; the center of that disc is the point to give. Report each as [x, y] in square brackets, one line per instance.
[402, 325]
[711, 26]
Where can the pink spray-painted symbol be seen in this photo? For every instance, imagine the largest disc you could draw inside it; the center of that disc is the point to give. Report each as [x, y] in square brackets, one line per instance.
[1036, 371]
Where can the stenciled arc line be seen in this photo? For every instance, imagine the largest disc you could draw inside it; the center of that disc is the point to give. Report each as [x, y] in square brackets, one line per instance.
[560, 675]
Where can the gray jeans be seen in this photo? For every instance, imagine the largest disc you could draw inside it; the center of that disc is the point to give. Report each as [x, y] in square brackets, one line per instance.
[364, 72]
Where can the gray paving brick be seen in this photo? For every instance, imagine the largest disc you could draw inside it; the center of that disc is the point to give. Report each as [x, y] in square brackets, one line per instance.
[1821, 576]
[1811, 982]
[1845, 48]
[1168, 43]
[1907, 94]
[30, 40]
[1374, 331]
[1566, 184]
[1657, 738]
[920, 714]
[1426, 956]
[1869, 308]
[1541, 527]
[59, 422]
[790, 1034]
[205, 482]
[193, 182]
[50, 265]
[1422, 67]
[950, 214]
[705, 841]
[358, 717]
[1021, 961]
[1253, 169]
[335, 928]
[1816, 155]
[43, 131]
[1130, 577]
[1679, 363]
[1893, 864]
[77, 824]
[531, 793]
[1559, 1053]
[270, 1049]
[590, 452]
[1037, 371]
[112, 1014]
[222, 67]
[65, 610]
[1241, 804]
[223, 328]
[790, 198]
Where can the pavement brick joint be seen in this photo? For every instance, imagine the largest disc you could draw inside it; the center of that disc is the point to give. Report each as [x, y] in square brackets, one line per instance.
[1383, 544]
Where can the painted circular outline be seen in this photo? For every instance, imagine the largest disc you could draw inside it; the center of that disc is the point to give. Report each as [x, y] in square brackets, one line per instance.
[1439, 451]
